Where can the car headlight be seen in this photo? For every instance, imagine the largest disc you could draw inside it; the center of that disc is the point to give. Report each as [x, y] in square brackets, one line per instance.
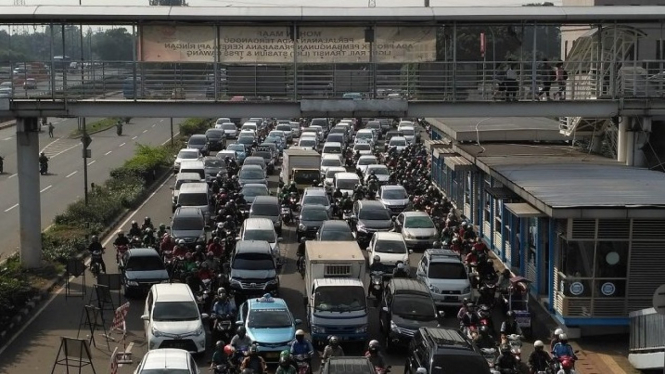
[434, 289]
[302, 227]
[361, 329]
[156, 333]
[407, 235]
[234, 282]
[394, 327]
[466, 290]
[318, 329]
[273, 281]
[199, 331]
[202, 238]
[361, 228]
[132, 283]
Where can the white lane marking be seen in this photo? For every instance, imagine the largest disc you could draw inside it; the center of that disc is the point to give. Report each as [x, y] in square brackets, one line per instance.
[169, 139]
[13, 175]
[127, 350]
[161, 120]
[91, 162]
[153, 125]
[134, 138]
[122, 144]
[72, 173]
[46, 188]
[65, 150]
[49, 144]
[144, 131]
[10, 208]
[87, 262]
[108, 153]
[10, 138]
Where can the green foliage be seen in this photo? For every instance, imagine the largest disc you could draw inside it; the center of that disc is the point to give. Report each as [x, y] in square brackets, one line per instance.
[194, 126]
[15, 290]
[113, 45]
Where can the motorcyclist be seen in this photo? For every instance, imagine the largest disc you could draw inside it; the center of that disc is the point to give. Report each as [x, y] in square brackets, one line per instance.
[372, 178]
[161, 231]
[135, 230]
[346, 203]
[180, 250]
[463, 309]
[400, 271]
[194, 282]
[510, 326]
[96, 251]
[205, 273]
[253, 361]
[212, 262]
[375, 357]
[147, 224]
[302, 346]
[219, 357]
[333, 349]
[555, 338]
[292, 188]
[240, 340]
[216, 248]
[121, 239]
[337, 194]
[285, 367]
[470, 318]
[149, 239]
[189, 265]
[506, 361]
[562, 348]
[539, 360]
[43, 160]
[484, 339]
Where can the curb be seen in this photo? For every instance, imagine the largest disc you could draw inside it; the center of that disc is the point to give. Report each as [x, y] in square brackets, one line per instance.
[44, 293]
[8, 124]
[91, 132]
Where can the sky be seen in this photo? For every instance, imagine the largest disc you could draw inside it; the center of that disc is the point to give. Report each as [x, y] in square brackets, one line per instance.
[321, 3]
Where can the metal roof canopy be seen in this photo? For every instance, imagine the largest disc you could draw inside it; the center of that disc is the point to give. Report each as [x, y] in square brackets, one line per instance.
[458, 163]
[523, 210]
[505, 129]
[583, 190]
[346, 15]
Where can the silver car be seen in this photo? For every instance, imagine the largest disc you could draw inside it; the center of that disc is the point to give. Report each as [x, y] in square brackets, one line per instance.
[418, 229]
[394, 198]
[252, 174]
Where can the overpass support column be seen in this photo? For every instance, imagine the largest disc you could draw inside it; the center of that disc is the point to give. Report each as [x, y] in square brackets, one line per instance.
[30, 218]
[622, 138]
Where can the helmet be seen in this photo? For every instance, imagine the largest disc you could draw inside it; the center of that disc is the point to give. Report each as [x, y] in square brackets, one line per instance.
[400, 265]
[94, 238]
[484, 329]
[505, 349]
[510, 314]
[558, 332]
[537, 344]
[162, 226]
[436, 244]
[563, 337]
[134, 223]
[373, 344]
[199, 248]
[219, 344]
[120, 232]
[221, 291]
[148, 230]
[181, 242]
[146, 220]
[253, 349]
[229, 350]
[204, 265]
[285, 354]
[300, 332]
[377, 258]
[284, 361]
[241, 330]
[220, 226]
[333, 340]
[216, 241]
[567, 363]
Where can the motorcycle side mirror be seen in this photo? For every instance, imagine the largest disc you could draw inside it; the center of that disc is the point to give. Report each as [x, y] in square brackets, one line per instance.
[205, 316]
[441, 313]
[410, 251]
[280, 239]
[145, 317]
[298, 321]
[386, 309]
[302, 240]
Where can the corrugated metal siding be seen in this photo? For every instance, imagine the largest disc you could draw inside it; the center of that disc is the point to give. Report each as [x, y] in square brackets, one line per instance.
[647, 332]
[645, 274]
[583, 229]
[614, 229]
[647, 229]
[609, 307]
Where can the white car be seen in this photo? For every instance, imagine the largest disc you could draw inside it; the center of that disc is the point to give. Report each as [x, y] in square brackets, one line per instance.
[329, 176]
[249, 126]
[366, 135]
[171, 313]
[390, 247]
[223, 120]
[330, 160]
[365, 161]
[409, 133]
[363, 148]
[381, 171]
[308, 142]
[331, 148]
[167, 360]
[230, 129]
[399, 142]
[185, 154]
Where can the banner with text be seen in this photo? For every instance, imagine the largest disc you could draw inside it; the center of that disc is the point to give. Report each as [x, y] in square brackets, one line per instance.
[162, 43]
[332, 45]
[404, 44]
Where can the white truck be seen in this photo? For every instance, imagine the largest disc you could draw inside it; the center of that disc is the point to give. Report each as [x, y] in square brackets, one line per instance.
[302, 166]
[335, 292]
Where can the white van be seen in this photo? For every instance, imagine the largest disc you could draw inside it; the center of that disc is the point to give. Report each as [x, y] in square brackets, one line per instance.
[346, 182]
[262, 229]
[197, 167]
[196, 195]
[181, 179]
[334, 148]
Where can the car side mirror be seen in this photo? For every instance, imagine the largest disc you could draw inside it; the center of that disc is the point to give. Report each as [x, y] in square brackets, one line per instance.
[386, 309]
[145, 317]
[410, 251]
[298, 321]
[441, 313]
[280, 239]
[205, 316]
[168, 227]
[303, 240]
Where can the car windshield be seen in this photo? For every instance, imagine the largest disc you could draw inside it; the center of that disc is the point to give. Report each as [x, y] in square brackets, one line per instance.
[307, 143]
[253, 261]
[269, 319]
[265, 209]
[335, 138]
[339, 299]
[273, 139]
[188, 223]
[144, 263]
[251, 174]
[175, 311]
[214, 163]
[390, 246]
[308, 214]
[229, 126]
[336, 235]
[365, 135]
[197, 141]
[246, 140]
[331, 162]
[254, 161]
[266, 235]
[315, 200]
[407, 132]
[367, 161]
[277, 134]
[306, 176]
[379, 171]
[236, 147]
[214, 133]
[374, 214]
[396, 194]
[346, 184]
[398, 143]
[334, 150]
[254, 191]
[446, 270]
[193, 199]
[362, 147]
[414, 307]
[188, 155]
[284, 128]
[418, 223]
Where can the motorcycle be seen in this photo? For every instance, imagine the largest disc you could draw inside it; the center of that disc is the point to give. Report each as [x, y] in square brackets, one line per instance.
[222, 328]
[302, 364]
[286, 213]
[485, 316]
[118, 129]
[376, 285]
[556, 362]
[119, 252]
[515, 343]
[490, 354]
[384, 370]
[95, 263]
[43, 168]
[300, 264]
[203, 298]
[2, 165]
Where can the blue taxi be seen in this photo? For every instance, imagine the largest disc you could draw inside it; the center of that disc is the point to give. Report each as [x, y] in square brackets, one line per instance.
[269, 324]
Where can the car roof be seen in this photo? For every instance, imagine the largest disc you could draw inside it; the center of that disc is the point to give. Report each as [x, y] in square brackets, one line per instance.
[388, 236]
[258, 223]
[314, 207]
[252, 166]
[265, 200]
[332, 144]
[187, 211]
[393, 187]
[350, 365]
[333, 224]
[402, 127]
[371, 204]
[339, 169]
[347, 175]
[166, 358]
[254, 185]
[377, 166]
[142, 252]
[404, 285]
[196, 136]
[415, 213]
[443, 255]
[365, 130]
[397, 138]
[189, 149]
[191, 164]
[330, 155]
[172, 292]
[188, 177]
[194, 187]
[367, 157]
[260, 246]
[254, 158]
[267, 303]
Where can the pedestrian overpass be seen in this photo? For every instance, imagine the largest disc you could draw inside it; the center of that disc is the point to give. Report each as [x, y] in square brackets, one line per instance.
[336, 62]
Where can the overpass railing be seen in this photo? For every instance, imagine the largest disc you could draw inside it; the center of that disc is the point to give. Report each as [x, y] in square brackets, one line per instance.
[439, 81]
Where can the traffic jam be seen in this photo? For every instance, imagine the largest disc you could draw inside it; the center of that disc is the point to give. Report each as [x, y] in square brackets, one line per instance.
[322, 244]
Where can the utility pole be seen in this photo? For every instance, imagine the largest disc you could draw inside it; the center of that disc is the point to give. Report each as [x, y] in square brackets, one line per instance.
[426, 3]
[87, 153]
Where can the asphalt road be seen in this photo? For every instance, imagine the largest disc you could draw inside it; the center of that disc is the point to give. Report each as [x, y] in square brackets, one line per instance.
[64, 183]
[35, 349]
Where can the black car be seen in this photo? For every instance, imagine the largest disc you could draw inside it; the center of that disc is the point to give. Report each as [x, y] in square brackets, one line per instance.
[268, 157]
[216, 139]
[345, 365]
[200, 142]
[141, 268]
[406, 306]
[370, 216]
[311, 218]
[436, 348]
[213, 166]
[188, 223]
[335, 231]
[253, 271]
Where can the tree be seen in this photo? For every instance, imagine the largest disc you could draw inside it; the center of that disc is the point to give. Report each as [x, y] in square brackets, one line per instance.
[113, 45]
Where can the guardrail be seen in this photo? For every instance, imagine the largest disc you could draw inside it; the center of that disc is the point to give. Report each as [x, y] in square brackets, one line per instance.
[443, 81]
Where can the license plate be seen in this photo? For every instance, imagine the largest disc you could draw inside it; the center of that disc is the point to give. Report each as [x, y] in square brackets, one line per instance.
[286, 211]
[272, 354]
[450, 298]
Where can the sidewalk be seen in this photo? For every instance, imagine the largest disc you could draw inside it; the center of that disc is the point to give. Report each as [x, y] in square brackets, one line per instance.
[8, 124]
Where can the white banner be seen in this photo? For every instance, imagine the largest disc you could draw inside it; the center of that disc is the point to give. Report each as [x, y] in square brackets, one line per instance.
[404, 44]
[163, 43]
[255, 44]
[332, 45]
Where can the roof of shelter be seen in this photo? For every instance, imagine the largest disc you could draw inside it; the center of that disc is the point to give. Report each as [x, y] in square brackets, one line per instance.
[497, 129]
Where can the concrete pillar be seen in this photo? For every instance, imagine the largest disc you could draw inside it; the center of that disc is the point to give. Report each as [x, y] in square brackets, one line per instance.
[30, 217]
[621, 138]
[630, 148]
